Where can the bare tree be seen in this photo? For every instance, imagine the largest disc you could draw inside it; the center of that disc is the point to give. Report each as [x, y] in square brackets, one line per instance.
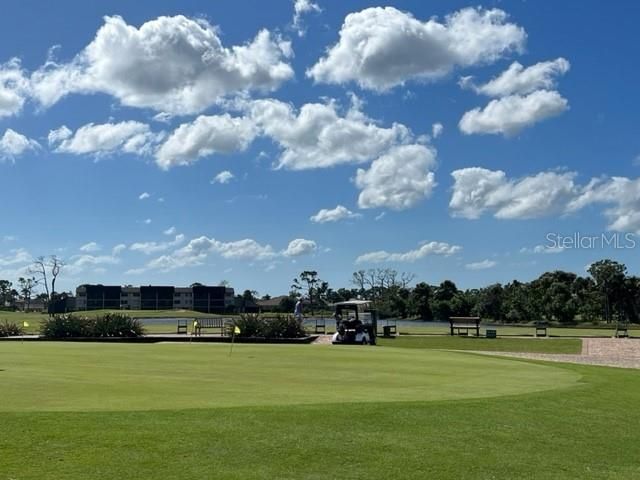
[39, 272]
[406, 278]
[44, 269]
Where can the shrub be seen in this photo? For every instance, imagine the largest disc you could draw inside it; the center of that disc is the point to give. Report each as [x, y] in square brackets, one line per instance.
[109, 325]
[283, 326]
[280, 326]
[10, 329]
[65, 326]
[117, 325]
[249, 325]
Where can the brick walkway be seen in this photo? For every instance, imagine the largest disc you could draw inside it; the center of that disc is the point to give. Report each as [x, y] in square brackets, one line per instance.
[610, 352]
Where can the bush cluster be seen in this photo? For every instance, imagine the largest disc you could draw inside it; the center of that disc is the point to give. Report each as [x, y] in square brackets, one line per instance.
[109, 325]
[10, 329]
[280, 326]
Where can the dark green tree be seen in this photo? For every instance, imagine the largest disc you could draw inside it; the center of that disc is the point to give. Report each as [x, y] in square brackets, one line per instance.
[609, 277]
[420, 301]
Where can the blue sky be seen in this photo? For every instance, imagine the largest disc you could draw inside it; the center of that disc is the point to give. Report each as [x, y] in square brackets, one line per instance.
[173, 142]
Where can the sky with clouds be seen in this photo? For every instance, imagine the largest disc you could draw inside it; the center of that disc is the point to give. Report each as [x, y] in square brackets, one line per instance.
[173, 142]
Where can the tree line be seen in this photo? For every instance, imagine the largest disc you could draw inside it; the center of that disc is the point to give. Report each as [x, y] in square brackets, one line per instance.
[607, 294]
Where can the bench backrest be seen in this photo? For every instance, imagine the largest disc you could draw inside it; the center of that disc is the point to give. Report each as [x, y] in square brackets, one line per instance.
[464, 321]
[210, 322]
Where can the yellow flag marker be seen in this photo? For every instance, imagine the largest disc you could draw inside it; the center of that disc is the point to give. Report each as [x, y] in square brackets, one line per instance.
[236, 330]
[25, 324]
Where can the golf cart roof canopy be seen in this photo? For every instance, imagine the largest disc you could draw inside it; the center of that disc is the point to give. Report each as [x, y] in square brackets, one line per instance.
[354, 303]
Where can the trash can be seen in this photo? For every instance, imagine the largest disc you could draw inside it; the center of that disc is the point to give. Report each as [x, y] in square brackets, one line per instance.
[491, 334]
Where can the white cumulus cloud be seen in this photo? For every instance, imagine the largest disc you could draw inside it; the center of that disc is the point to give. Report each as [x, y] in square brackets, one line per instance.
[483, 265]
[149, 248]
[203, 137]
[14, 88]
[398, 179]
[144, 196]
[333, 215]
[478, 190]
[380, 48]
[104, 139]
[223, 177]
[300, 246]
[175, 65]
[509, 115]
[520, 80]
[621, 195]
[436, 130]
[300, 8]
[319, 136]
[90, 247]
[426, 249]
[14, 144]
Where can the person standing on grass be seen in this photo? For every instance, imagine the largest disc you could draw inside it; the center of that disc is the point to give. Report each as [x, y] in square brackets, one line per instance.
[297, 312]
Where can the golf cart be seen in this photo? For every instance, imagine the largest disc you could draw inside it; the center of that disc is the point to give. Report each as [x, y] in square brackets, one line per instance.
[356, 323]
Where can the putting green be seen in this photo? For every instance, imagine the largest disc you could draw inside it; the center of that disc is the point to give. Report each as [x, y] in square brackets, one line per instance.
[105, 377]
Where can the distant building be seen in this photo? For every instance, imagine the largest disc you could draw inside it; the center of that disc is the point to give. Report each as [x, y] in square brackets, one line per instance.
[200, 298]
[273, 304]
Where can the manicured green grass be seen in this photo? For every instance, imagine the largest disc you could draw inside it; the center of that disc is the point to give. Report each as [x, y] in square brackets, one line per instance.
[96, 411]
[419, 328]
[531, 345]
[77, 376]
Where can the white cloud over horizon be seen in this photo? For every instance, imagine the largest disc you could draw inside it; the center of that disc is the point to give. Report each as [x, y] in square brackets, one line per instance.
[198, 250]
[477, 191]
[482, 265]
[425, 249]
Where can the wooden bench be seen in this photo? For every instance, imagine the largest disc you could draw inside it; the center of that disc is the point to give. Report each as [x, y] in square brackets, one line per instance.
[622, 330]
[462, 325]
[321, 325]
[218, 323]
[541, 329]
[182, 325]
